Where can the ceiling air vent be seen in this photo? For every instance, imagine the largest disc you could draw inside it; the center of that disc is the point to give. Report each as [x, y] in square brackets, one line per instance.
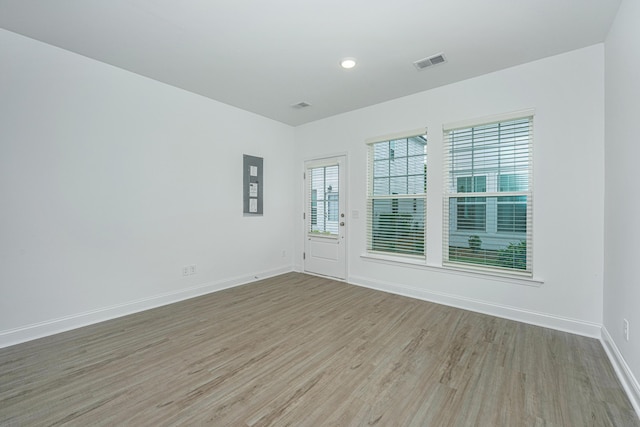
[421, 64]
[301, 105]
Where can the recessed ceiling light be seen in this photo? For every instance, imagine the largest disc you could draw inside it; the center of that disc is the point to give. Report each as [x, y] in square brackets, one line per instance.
[348, 63]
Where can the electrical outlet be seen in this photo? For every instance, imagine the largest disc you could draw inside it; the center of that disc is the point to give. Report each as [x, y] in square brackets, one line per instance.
[185, 270]
[625, 329]
[192, 269]
[284, 254]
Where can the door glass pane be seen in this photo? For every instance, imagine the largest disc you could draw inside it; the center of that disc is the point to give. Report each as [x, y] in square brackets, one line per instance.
[324, 200]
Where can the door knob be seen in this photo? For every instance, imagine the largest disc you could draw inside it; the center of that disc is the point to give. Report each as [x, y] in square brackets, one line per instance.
[342, 224]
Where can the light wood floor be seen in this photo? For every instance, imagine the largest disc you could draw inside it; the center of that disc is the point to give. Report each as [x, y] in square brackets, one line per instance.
[305, 351]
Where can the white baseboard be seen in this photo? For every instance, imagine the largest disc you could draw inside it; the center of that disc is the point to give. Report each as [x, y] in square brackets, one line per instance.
[54, 326]
[626, 377]
[535, 318]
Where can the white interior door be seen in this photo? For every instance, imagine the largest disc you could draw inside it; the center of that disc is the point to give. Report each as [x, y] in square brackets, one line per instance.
[325, 219]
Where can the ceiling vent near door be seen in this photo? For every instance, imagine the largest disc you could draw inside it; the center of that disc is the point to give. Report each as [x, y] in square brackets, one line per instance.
[301, 105]
[421, 64]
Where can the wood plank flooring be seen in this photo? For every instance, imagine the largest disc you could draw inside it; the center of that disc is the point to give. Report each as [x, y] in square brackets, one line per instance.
[300, 350]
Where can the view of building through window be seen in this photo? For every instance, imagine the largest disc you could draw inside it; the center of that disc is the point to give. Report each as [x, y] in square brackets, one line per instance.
[488, 199]
[396, 196]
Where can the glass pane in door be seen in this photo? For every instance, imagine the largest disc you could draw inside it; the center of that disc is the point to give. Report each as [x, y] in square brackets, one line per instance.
[324, 200]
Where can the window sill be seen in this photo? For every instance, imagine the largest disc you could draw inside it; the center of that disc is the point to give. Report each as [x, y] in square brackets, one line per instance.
[420, 263]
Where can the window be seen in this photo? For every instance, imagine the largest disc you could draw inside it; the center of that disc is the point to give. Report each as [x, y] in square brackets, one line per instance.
[396, 202]
[471, 211]
[324, 200]
[488, 197]
[332, 207]
[314, 208]
[512, 210]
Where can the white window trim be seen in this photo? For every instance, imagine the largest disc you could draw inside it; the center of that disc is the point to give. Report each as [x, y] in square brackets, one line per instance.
[396, 135]
[486, 120]
[478, 273]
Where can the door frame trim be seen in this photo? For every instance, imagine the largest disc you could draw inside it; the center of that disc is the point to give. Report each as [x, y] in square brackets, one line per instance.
[319, 160]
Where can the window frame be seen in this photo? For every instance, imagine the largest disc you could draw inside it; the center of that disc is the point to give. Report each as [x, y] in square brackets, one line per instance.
[398, 245]
[492, 196]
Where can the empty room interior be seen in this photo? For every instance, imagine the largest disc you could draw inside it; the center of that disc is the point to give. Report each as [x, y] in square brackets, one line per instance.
[319, 213]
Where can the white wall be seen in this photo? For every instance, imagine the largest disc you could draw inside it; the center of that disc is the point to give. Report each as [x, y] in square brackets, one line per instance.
[111, 182]
[567, 93]
[622, 204]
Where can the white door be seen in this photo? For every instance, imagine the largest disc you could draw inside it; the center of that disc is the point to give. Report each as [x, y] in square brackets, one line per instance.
[325, 219]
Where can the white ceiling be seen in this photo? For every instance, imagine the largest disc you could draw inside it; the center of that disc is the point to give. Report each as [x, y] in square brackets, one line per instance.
[265, 55]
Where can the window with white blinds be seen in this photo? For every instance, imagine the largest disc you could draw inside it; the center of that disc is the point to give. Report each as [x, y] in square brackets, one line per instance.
[324, 200]
[397, 189]
[488, 194]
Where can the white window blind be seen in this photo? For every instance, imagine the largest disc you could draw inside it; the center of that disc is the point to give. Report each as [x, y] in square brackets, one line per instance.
[396, 202]
[488, 194]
